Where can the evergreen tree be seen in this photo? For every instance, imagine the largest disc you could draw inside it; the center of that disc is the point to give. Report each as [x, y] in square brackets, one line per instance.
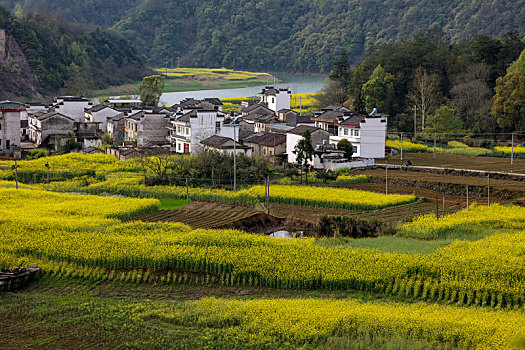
[304, 152]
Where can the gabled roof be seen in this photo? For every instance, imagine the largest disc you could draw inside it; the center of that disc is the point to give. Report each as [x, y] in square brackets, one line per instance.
[267, 139]
[95, 109]
[10, 105]
[355, 121]
[302, 128]
[117, 117]
[213, 100]
[46, 116]
[255, 107]
[285, 110]
[221, 142]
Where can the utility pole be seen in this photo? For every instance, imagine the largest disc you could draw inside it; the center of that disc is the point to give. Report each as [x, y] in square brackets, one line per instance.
[401, 150]
[488, 190]
[434, 145]
[437, 204]
[268, 195]
[187, 192]
[386, 175]
[16, 173]
[467, 198]
[300, 106]
[443, 205]
[47, 170]
[512, 154]
[415, 123]
[234, 158]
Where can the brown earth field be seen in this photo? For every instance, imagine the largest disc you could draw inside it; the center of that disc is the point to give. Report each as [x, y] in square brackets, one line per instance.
[460, 162]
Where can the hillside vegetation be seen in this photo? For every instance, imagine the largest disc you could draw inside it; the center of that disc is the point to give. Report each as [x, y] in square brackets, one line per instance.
[264, 35]
[49, 56]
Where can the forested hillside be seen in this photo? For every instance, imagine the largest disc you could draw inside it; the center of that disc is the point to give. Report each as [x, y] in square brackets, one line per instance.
[281, 35]
[47, 56]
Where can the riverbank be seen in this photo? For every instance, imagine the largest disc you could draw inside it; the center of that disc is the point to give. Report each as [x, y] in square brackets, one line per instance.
[196, 79]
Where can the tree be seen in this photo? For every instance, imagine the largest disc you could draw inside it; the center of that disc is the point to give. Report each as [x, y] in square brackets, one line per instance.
[472, 98]
[341, 72]
[518, 65]
[151, 89]
[333, 93]
[347, 147]
[378, 91]
[304, 152]
[424, 93]
[509, 102]
[445, 121]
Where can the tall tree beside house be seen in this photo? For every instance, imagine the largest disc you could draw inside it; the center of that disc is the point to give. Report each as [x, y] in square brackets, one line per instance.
[378, 91]
[304, 152]
[424, 93]
[151, 89]
[341, 71]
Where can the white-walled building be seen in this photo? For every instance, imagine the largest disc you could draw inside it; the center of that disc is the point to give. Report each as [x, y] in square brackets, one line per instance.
[276, 99]
[189, 129]
[72, 107]
[100, 114]
[10, 117]
[366, 133]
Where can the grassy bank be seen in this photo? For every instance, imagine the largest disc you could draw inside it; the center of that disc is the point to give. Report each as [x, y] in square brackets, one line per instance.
[192, 79]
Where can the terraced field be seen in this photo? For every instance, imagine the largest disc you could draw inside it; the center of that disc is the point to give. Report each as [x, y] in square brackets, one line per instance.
[216, 216]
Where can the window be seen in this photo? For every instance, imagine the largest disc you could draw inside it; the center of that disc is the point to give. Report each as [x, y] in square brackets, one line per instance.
[273, 99]
[178, 146]
[357, 133]
[7, 144]
[355, 149]
[345, 131]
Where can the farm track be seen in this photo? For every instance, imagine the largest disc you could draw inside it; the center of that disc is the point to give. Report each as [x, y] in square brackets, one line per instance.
[199, 218]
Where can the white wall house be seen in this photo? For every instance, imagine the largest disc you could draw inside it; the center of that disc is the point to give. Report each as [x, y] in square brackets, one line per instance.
[276, 99]
[72, 107]
[189, 129]
[366, 133]
[10, 116]
[100, 114]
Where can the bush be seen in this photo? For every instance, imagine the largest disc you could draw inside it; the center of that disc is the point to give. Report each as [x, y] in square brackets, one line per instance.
[347, 226]
[37, 153]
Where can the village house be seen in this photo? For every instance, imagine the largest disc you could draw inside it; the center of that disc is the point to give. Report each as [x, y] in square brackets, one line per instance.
[72, 106]
[100, 114]
[124, 153]
[145, 129]
[366, 133]
[46, 128]
[224, 145]
[327, 118]
[10, 125]
[115, 128]
[88, 133]
[268, 145]
[265, 122]
[187, 130]
[319, 138]
[275, 99]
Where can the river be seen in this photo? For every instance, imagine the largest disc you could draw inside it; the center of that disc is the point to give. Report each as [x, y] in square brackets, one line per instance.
[297, 84]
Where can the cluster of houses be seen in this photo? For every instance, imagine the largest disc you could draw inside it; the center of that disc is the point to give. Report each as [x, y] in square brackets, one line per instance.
[267, 129]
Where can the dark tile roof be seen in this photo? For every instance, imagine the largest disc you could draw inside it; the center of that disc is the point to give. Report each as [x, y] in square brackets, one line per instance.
[96, 108]
[254, 107]
[355, 120]
[302, 128]
[213, 100]
[221, 142]
[45, 116]
[267, 139]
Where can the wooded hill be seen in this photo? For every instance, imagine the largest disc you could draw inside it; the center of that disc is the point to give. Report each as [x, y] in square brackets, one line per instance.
[286, 35]
[41, 55]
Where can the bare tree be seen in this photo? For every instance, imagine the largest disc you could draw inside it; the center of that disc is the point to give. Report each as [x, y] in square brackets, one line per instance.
[424, 93]
[472, 98]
